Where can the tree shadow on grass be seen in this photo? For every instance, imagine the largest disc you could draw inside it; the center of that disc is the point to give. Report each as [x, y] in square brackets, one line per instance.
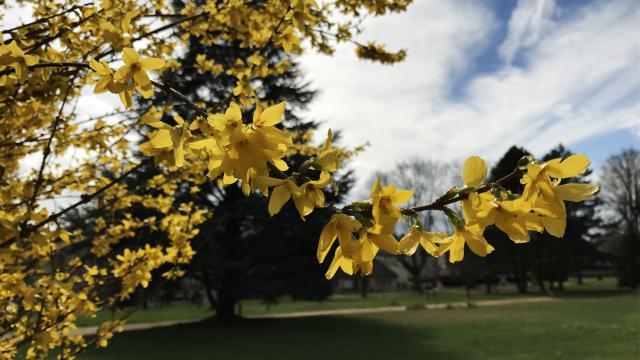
[339, 337]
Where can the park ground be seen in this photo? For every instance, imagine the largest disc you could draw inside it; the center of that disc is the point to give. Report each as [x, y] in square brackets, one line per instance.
[590, 321]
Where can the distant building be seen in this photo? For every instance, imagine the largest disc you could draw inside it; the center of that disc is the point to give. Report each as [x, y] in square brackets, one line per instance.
[383, 279]
[389, 274]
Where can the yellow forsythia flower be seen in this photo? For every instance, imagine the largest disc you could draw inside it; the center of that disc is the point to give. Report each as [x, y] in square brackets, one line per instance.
[342, 227]
[474, 171]
[409, 243]
[12, 55]
[384, 201]
[547, 196]
[472, 235]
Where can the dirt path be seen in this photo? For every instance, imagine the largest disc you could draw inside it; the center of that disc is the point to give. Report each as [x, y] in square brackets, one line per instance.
[90, 330]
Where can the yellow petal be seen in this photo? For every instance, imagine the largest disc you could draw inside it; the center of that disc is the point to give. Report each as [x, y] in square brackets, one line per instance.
[269, 181]
[387, 243]
[202, 144]
[97, 66]
[122, 74]
[178, 119]
[161, 139]
[102, 85]
[428, 240]
[152, 63]
[279, 196]
[130, 55]
[402, 196]
[555, 226]
[409, 243]
[474, 171]
[217, 121]
[272, 115]
[376, 188]
[368, 250]
[228, 179]
[514, 228]
[533, 222]
[147, 149]
[327, 238]
[31, 60]
[280, 164]
[125, 98]
[322, 181]
[15, 49]
[303, 205]
[233, 111]
[178, 155]
[576, 192]
[141, 78]
[572, 166]
[477, 243]
[456, 248]
[145, 91]
[339, 262]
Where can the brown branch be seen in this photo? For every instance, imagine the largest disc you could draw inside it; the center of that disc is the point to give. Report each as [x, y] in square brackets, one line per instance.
[46, 18]
[444, 200]
[168, 89]
[46, 65]
[47, 149]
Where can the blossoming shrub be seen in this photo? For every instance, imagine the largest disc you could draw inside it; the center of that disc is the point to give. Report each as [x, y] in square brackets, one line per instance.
[53, 160]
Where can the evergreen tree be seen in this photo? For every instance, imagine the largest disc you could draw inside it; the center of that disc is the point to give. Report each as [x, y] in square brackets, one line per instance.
[577, 249]
[242, 252]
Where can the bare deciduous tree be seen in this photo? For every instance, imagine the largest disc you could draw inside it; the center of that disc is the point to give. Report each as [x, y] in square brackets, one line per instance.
[428, 179]
[621, 192]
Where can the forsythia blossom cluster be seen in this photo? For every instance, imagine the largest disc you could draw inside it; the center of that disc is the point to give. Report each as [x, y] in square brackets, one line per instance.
[235, 150]
[131, 76]
[364, 228]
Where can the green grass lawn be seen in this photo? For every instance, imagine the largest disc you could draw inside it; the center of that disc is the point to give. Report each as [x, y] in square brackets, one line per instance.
[601, 328]
[591, 287]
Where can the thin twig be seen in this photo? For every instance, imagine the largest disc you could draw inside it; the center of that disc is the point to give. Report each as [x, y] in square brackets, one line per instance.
[443, 201]
[168, 89]
[41, 20]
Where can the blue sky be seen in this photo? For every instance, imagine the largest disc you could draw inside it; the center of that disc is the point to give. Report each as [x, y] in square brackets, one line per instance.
[481, 76]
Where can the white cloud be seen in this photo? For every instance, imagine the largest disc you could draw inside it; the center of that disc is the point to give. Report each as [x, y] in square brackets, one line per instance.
[529, 20]
[580, 78]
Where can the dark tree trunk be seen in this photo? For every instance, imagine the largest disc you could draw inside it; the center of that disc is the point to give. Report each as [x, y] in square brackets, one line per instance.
[222, 303]
[364, 286]
[226, 311]
[521, 270]
[543, 289]
[414, 266]
[489, 280]
[522, 286]
[210, 297]
[416, 283]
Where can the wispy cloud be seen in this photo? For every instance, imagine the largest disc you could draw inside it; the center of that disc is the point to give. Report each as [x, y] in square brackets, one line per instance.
[530, 19]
